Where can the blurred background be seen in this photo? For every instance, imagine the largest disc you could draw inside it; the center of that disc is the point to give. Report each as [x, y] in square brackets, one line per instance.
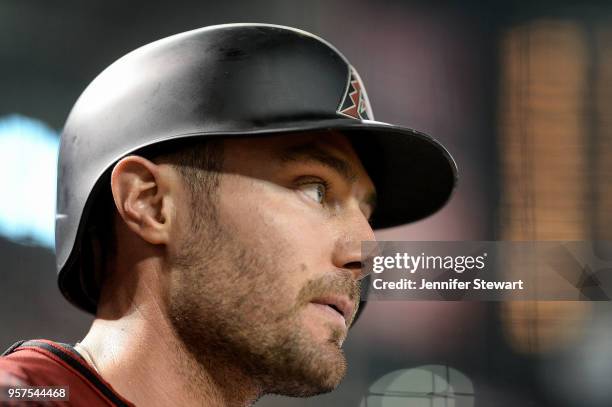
[519, 92]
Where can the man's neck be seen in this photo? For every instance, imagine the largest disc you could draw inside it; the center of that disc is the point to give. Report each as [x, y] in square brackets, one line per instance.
[144, 361]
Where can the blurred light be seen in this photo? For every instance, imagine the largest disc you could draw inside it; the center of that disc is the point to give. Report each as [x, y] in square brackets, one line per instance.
[581, 376]
[545, 165]
[28, 168]
[426, 386]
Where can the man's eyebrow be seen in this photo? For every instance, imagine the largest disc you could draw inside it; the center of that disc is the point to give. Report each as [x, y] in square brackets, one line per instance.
[310, 152]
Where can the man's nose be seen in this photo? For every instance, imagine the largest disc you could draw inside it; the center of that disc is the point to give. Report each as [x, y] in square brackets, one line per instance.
[347, 251]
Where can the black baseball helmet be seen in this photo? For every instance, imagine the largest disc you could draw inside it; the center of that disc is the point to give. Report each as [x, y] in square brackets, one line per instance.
[227, 81]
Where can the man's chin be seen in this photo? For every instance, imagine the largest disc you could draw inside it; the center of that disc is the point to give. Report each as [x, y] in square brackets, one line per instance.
[311, 383]
[317, 366]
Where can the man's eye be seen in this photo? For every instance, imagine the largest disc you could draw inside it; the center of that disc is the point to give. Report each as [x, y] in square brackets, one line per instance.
[315, 191]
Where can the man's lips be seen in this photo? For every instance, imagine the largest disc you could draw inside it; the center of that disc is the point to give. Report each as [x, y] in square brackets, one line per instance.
[340, 304]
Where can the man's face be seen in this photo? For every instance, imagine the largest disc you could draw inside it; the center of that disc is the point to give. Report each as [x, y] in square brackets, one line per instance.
[256, 276]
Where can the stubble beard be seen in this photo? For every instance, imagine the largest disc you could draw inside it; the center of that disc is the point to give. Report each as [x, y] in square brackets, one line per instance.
[229, 310]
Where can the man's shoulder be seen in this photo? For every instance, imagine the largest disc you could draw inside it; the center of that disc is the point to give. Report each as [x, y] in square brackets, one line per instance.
[31, 363]
[43, 362]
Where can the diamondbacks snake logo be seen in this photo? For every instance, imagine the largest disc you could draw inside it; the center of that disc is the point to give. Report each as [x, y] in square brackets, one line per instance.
[355, 102]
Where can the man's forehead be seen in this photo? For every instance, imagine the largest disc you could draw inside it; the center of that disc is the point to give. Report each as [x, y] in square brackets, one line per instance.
[331, 146]
[280, 146]
[334, 139]
[326, 147]
[331, 140]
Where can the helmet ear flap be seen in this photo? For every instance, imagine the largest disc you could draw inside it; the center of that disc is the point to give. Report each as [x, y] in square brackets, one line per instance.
[97, 244]
[91, 270]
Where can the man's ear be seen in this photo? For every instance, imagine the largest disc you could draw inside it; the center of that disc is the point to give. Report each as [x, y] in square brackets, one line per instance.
[142, 194]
